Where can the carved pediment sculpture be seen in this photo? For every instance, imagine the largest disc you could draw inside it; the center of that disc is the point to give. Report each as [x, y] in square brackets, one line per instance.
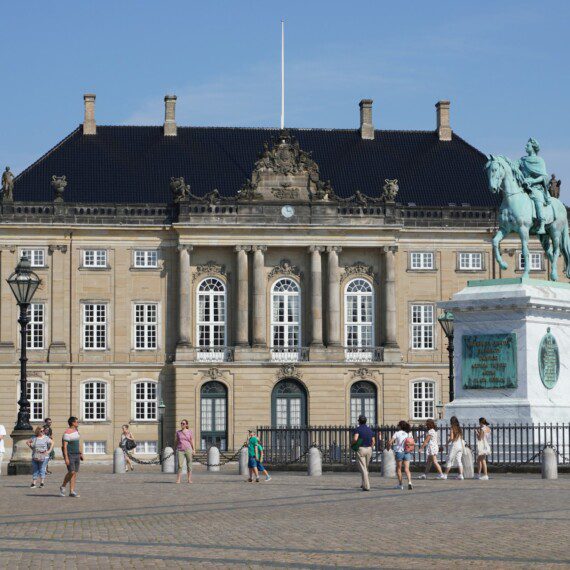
[390, 190]
[209, 268]
[361, 374]
[180, 190]
[58, 183]
[248, 192]
[356, 269]
[324, 191]
[285, 268]
[288, 371]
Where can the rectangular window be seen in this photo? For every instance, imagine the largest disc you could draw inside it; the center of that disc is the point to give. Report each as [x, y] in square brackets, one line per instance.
[36, 257]
[149, 447]
[535, 261]
[146, 258]
[422, 327]
[471, 261]
[145, 401]
[35, 394]
[95, 401]
[423, 400]
[146, 326]
[94, 326]
[95, 447]
[36, 332]
[421, 260]
[95, 258]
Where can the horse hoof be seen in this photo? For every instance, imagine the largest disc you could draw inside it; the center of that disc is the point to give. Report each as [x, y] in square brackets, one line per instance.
[503, 265]
[554, 277]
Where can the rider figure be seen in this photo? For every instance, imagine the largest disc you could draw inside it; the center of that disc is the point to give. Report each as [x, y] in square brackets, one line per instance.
[533, 170]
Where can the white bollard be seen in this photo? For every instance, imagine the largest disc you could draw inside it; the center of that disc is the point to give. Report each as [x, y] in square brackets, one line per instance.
[213, 459]
[549, 463]
[315, 462]
[168, 465]
[467, 463]
[388, 464]
[118, 461]
[243, 460]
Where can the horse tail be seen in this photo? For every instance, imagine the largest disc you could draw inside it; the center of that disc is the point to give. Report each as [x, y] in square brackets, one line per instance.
[565, 247]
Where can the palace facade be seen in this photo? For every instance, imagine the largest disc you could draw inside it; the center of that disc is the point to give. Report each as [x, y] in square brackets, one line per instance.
[240, 276]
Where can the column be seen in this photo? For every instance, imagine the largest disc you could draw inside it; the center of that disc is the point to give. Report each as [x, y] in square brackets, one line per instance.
[184, 292]
[259, 296]
[316, 295]
[242, 320]
[389, 289]
[59, 310]
[334, 296]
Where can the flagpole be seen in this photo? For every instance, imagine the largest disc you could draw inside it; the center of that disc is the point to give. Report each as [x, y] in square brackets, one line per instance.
[282, 74]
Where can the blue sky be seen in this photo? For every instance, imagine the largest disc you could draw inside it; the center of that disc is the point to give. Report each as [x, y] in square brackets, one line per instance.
[504, 65]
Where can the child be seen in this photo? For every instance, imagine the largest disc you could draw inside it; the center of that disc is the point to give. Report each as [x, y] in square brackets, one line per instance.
[483, 448]
[255, 453]
[403, 443]
[431, 442]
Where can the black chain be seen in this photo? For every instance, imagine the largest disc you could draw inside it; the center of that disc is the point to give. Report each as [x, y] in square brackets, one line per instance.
[158, 460]
[221, 463]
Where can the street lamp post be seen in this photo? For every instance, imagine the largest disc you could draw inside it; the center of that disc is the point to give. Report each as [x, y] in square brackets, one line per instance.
[24, 283]
[446, 322]
[161, 408]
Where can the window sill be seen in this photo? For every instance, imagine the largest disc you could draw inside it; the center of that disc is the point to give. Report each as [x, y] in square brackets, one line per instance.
[145, 269]
[144, 422]
[470, 270]
[409, 270]
[83, 268]
[95, 422]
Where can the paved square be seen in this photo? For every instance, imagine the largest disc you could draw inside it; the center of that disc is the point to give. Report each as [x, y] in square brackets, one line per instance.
[144, 520]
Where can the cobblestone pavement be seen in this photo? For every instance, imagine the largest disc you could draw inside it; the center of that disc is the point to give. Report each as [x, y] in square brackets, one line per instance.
[144, 520]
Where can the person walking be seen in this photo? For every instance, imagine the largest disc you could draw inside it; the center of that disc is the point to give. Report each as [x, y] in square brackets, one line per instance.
[456, 452]
[184, 450]
[49, 433]
[72, 456]
[483, 448]
[2, 448]
[403, 444]
[363, 442]
[41, 446]
[127, 444]
[431, 445]
[255, 458]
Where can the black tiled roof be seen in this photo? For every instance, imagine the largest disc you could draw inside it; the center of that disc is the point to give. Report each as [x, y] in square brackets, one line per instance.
[124, 164]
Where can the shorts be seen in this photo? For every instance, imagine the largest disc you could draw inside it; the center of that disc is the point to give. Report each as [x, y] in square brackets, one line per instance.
[253, 463]
[74, 462]
[403, 456]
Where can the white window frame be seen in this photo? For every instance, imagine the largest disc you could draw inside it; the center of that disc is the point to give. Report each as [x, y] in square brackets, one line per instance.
[94, 324]
[36, 324]
[147, 447]
[426, 403]
[35, 418]
[98, 447]
[211, 297]
[466, 261]
[422, 260]
[145, 258]
[362, 350]
[286, 352]
[533, 255]
[36, 256]
[96, 400]
[146, 325]
[95, 258]
[146, 401]
[422, 325]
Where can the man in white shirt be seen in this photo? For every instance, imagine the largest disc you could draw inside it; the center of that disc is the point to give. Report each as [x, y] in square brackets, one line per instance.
[2, 448]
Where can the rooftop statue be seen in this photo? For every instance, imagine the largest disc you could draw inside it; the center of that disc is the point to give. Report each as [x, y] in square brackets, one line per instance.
[8, 185]
[527, 208]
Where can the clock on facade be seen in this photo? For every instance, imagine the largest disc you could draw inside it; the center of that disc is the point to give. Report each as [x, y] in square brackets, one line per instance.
[287, 211]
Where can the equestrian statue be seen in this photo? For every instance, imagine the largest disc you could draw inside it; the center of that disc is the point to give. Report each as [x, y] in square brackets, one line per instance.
[528, 208]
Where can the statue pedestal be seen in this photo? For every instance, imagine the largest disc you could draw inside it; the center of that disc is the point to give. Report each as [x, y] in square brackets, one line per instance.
[21, 460]
[512, 351]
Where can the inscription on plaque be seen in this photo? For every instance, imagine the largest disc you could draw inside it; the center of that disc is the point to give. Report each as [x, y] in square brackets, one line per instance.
[489, 361]
[548, 360]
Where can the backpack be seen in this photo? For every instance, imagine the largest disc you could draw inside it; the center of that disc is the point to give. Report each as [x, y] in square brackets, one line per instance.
[409, 444]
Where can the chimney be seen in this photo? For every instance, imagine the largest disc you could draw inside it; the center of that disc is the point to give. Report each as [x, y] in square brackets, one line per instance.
[170, 129]
[89, 125]
[366, 126]
[443, 125]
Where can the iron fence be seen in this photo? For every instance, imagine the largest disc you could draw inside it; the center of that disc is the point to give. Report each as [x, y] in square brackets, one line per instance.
[511, 444]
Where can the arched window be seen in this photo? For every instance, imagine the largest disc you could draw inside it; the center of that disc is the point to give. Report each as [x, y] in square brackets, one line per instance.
[423, 400]
[363, 402]
[211, 325]
[359, 320]
[36, 397]
[145, 400]
[214, 424]
[289, 405]
[285, 320]
[94, 401]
